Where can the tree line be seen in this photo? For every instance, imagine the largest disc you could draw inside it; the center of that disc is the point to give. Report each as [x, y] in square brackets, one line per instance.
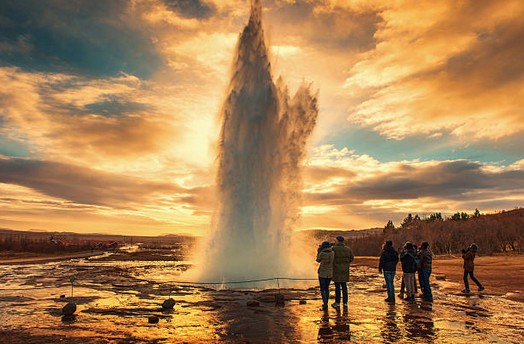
[502, 232]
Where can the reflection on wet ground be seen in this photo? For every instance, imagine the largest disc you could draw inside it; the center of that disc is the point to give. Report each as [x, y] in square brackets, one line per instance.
[115, 299]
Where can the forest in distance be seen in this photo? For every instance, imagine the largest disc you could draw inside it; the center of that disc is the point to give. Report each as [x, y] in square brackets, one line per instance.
[501, 232]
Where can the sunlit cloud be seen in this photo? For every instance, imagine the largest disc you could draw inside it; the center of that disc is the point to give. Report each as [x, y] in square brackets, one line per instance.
[108, 112]
[443, 66]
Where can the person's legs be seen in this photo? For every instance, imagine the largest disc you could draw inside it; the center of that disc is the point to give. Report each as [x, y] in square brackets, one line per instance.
[466, 282]
[477, 282]
[344, 292]
[421, 282]
[337, 293]
[389, 276]
[324, 291]
[426, 273]
[402, 287]
[409, 280]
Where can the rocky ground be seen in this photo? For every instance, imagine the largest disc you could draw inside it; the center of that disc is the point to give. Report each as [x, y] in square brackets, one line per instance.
[118, 298]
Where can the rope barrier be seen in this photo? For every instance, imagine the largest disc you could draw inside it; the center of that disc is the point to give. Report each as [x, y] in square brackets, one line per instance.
[278, 279]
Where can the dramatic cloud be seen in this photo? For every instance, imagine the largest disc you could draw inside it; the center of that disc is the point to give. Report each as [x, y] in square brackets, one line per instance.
[443, 67]
[89, 37]
[191, 8]
[108, 109]
[396, 188]
[81, 184]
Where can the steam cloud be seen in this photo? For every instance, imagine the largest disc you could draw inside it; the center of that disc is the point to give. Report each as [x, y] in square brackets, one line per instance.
[261, 149]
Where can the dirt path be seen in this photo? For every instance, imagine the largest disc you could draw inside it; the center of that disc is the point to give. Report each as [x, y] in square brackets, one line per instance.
[49, 258]
[500, 275]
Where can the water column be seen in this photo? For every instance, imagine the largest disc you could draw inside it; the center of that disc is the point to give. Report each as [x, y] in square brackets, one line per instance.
[262, 146]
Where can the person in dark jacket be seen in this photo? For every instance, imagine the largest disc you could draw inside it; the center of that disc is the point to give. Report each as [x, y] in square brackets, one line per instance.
[426, 263]
[402, 285]
[388, 264]
[343, 257]
[325, 257]
[409, 267]
[469, 256]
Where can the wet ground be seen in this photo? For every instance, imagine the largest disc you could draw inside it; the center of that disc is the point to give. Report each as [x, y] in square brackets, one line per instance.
[116, 298]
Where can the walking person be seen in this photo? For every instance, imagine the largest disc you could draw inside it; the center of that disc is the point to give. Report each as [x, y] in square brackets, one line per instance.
[469, 256]
[325, 257]
[409, 267]
[426, 262]
[388, 264]
[343, 257]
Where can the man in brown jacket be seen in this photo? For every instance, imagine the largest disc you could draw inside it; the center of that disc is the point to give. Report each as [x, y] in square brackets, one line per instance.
[343, 257]
[469, 256]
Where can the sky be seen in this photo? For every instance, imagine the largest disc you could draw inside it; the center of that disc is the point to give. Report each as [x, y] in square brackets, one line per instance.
[109, 109]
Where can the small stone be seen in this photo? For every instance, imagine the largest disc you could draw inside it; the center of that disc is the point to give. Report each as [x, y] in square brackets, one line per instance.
[62, 296]
[69, 309]
[440, 277]
[253, 303]
[302, 302]
[168, 304]
[153, 319]
[279, 300]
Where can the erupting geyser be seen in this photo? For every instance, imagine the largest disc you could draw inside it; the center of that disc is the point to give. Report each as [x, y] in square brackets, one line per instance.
[261, 148]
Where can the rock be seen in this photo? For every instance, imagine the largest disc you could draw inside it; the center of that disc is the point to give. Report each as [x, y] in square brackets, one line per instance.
[69, 309]
[168, 304]
[440, 277]
[153, 319]
[279, 300]
[62, 296]
[253, 303]
[302, 302]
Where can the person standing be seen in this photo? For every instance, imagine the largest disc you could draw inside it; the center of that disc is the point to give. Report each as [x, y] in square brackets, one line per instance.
[325, 257]
[426, 262]
[343, 257]
[469, 256]
[388, 264]
[409, 267]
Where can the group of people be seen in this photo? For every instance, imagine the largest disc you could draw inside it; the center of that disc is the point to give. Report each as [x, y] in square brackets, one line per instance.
[335, 259]
[413, 260]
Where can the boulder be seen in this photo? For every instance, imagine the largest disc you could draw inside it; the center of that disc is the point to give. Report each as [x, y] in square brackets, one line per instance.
[168, 304]
[69, 309]
[153, 319]
[302, 302]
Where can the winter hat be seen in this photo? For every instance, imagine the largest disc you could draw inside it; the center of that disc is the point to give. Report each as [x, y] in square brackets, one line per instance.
[474, 247]
[325, 245]
[424, 245]
[340, 238]
[389, 243]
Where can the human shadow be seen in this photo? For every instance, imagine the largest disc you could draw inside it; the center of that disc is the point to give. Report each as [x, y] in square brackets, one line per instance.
[418, 322]
[337, 330]
[390, 331]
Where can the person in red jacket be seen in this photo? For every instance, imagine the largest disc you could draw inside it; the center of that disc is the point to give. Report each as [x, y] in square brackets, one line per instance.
[469, 256]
